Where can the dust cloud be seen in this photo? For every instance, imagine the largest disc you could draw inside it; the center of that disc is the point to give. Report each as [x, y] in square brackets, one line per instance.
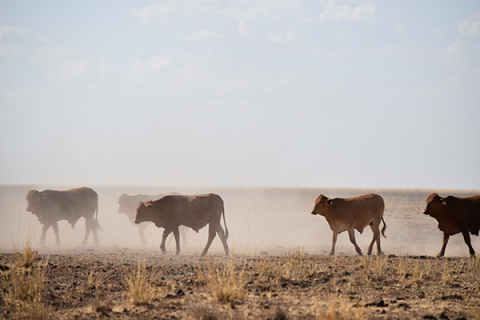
[272, 220]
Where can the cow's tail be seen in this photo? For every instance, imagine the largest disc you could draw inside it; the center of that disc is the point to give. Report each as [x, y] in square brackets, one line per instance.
[96, 217]
[384, 228]
[225, 223]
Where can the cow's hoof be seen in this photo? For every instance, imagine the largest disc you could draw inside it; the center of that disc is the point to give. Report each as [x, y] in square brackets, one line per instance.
[369, 253]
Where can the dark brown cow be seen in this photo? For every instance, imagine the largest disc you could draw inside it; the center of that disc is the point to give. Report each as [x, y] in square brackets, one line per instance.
[128, 205]
[193, 211]
[353, 213]
[51, 206]
[455, 215]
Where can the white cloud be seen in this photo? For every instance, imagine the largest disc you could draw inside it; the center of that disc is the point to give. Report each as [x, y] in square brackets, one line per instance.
[154, 13]
[68, 70]
[456, 47]
[203, 36]
[242, 27]
[140, 68]
[471, 26]
[345, 12]
[66, 63]
[8, 49]
[280, 37]
[399, 29]
[11, 29]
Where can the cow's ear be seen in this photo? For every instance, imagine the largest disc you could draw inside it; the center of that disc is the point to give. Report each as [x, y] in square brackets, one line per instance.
[330, 201]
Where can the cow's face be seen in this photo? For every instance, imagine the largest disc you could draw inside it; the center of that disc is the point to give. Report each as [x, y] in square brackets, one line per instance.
[434, 204]
[321, 205]
[125, 204]
[142, 213]
[33, 201]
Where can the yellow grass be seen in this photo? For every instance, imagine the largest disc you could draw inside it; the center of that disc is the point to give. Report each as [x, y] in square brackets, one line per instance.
[340, 311]
[23, 292]
[223, 281]
[291, 267]
[139, 289]
[26, 258]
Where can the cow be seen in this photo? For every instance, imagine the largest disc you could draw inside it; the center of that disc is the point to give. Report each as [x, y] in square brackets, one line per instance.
[193, 211]
[348, 214]
[128, 205]
[51, 206]
[455, 215]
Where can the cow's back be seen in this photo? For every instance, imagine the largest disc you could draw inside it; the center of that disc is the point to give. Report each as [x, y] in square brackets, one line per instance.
[193, 211]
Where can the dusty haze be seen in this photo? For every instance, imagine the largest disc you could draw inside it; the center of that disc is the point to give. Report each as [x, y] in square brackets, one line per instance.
[258, 219]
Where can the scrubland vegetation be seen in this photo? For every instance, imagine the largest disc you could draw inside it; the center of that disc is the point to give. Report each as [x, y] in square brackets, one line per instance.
[121, 283]
[289, 276]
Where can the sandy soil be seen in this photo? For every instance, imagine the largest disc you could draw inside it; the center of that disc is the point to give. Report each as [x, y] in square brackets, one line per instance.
[90, 283]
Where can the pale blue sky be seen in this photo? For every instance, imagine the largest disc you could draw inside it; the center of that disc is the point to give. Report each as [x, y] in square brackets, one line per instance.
[241, 93]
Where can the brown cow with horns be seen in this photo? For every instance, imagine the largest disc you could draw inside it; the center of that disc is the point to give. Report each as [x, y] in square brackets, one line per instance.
[193, 211]
[455, 215]
[348, 214]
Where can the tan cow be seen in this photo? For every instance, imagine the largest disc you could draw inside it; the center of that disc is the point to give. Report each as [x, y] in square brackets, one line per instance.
[455, 215]
[193, 211]
[51, 206]
[353, 213]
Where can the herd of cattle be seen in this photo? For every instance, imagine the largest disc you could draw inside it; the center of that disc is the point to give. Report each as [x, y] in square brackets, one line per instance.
[171, 211]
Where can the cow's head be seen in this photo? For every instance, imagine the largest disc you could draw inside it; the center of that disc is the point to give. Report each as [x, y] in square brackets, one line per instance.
[126, 204]
[434, 203]
[146, 211]
[33, 201]
[321, 205]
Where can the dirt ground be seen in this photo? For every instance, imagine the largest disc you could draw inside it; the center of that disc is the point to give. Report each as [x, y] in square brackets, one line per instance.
[280, 261]
[91, 283]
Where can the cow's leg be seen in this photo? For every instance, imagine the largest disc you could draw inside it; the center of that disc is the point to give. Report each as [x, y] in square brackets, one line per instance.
[376, 238]
[94, 226]
[466, 237]
[351, 235]
[212, 232]
[44, 232]
[183, 235]
[164, 237]
[444, 245]
[334, 241]
[223, 237]
[176, 234]
[141, 232]
[88, 226]
[57, 234]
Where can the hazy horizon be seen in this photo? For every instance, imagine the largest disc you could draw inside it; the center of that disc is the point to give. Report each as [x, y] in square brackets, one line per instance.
[308, 94]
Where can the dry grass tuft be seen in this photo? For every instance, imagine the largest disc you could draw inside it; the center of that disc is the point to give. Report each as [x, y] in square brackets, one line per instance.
[374, 268]
[224, 282]
[475, 313]
[139, 289]
[26, 259]
[23, 293]
[292, 267]
[340, 311]
[203, 313]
